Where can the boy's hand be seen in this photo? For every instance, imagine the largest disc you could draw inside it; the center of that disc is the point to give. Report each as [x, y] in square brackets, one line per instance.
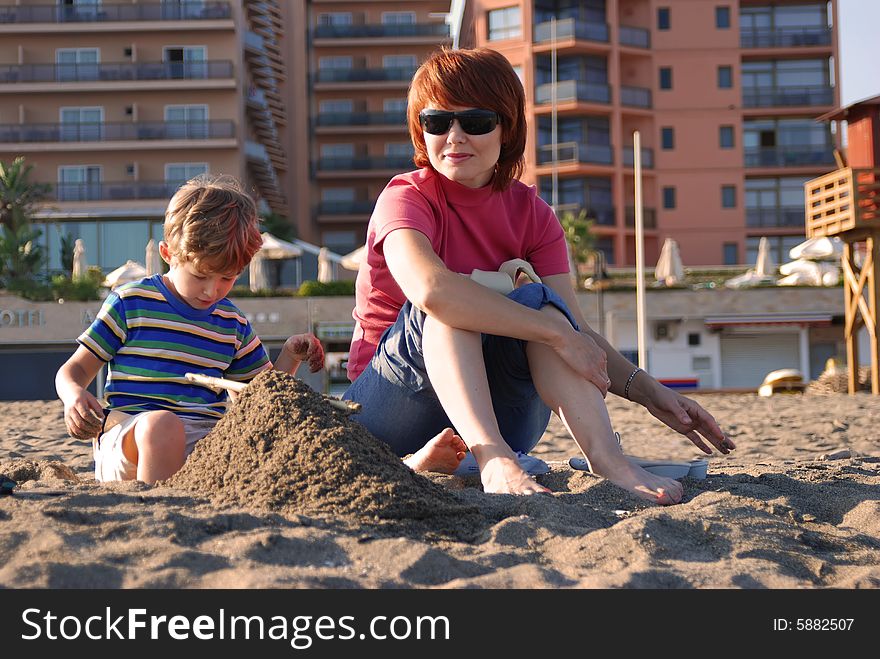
[306, 347]
[83, 416]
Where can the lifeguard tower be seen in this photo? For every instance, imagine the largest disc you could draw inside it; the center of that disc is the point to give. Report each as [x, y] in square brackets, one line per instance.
[846, 203]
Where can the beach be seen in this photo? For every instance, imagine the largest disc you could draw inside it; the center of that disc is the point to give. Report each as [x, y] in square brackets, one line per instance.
[796, 505]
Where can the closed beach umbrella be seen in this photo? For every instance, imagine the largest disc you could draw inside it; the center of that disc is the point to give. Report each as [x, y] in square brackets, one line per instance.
[79, 260]
[259, 281]
[818, 249]
[765, 266]
[352, 260]
[131, 271]
[325, 268]
[670, 269]
[275, 248]
[153, 259]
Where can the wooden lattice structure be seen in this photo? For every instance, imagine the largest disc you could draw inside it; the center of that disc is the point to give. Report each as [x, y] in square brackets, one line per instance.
[846, 203]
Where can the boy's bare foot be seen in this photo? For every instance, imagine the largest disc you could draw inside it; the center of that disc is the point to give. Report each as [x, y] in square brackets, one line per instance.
[503, 475]
[442, 454]
[644, 484]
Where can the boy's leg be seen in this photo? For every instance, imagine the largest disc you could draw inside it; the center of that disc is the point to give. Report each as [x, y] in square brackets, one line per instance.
[454, 363]
[582, 409]
[157, 445]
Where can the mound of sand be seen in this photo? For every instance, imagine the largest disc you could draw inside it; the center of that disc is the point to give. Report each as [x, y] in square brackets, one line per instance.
[281, 447]
[22, 471]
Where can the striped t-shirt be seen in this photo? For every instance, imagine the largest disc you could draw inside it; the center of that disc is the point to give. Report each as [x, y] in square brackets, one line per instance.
[151, 339]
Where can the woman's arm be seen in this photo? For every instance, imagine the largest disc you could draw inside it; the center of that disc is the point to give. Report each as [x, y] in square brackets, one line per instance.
[457, 301]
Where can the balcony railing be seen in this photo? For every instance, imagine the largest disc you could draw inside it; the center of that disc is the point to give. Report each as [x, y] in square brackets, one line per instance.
[365, 162]
[782, 216]
[113, 191]
[362, 119]
[373, 31]
[649, 217]
[787, 96]
[346, 207]
[212, 69]
[647, 157]
[574, 152]
[110, 131]
[635, 36]
[789, 156]
[569, 28]
[572, 90]
[637, 97]
[365, 75]
[104, 13]
[785, 37]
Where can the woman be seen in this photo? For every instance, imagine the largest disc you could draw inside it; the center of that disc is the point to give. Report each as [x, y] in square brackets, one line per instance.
[433, 350]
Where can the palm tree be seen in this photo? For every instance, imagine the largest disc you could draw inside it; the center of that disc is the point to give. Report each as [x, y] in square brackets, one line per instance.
[20, 255]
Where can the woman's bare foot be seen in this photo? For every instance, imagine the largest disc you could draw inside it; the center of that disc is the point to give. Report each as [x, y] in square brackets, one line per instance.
[644, 484]
[442, 454]
[503, 475]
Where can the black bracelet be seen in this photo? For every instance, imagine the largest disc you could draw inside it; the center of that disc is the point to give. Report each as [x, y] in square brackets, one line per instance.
[629, 382]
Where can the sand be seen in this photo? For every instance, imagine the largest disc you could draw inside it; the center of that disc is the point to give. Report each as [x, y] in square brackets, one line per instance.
[796, 505]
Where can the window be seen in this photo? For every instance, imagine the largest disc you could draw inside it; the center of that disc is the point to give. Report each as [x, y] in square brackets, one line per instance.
[731, 253]
[665, 77]
[76, 64]
[725, 77]
[81, 124]
[336, 106]
[337, 194]
[775, 202]
[186, 62]
[78, 10]
[178, 173]
[780, 246]
[176, 9]
[722, 18]
[518, 70]
[399, 149]
[701, 362]
[728, 196]
[335, 18]
[504, 23]
[337, 150]
[663, 18]
[398, 17]
[408, 62]
[186, 121]
[667, 138]
[79, 183]
[669, 197]
[725, 137]
[341, 242]
[335, 62]
[394, 105]
[693, 338]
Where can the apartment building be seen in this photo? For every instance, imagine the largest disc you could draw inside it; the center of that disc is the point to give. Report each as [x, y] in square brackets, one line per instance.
[724, 95]
[355, 60]
[117, 104]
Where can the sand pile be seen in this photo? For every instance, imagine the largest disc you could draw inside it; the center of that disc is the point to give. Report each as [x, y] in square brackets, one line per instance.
[281, 447]
[22, 471]
[835, 382]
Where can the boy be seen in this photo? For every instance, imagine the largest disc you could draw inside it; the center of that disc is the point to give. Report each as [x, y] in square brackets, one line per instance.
[154, 331]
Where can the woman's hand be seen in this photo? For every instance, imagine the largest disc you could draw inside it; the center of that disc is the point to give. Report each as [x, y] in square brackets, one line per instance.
[689, 418]
[584, 356]
[305, 348]
[83, 415]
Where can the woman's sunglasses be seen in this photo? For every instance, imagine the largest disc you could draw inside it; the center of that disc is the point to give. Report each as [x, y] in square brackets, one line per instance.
[472, 122]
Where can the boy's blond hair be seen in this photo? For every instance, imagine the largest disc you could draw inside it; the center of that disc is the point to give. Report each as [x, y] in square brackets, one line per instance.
[211, 222]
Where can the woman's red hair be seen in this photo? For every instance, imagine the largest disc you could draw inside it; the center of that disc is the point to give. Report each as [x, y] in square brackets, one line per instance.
[479, 78]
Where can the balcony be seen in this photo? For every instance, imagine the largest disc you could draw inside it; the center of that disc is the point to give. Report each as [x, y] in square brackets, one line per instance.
[628, 158]
[635, 97]
[383, 163]
[346, 207]
[104, 13]
[365, 75]
[785, 37]
[796, 155]
[126, 190]
[649, 217]
[119, 71]
[570, 28]
[362, 119]
[111, 131]
[440, 30]
[574, 152]
[636, 37]
[779, 217]
[572, 90]
[769, 97]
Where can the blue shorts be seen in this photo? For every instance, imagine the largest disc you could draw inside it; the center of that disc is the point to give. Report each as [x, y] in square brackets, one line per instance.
[399, 404]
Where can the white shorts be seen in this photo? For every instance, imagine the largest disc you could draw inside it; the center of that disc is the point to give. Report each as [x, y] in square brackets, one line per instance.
[110, 461]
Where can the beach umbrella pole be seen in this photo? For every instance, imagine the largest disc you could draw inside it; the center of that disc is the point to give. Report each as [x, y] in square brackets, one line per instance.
[640, 251]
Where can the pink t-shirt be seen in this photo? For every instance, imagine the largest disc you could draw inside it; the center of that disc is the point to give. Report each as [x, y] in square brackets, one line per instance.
[468, 229]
